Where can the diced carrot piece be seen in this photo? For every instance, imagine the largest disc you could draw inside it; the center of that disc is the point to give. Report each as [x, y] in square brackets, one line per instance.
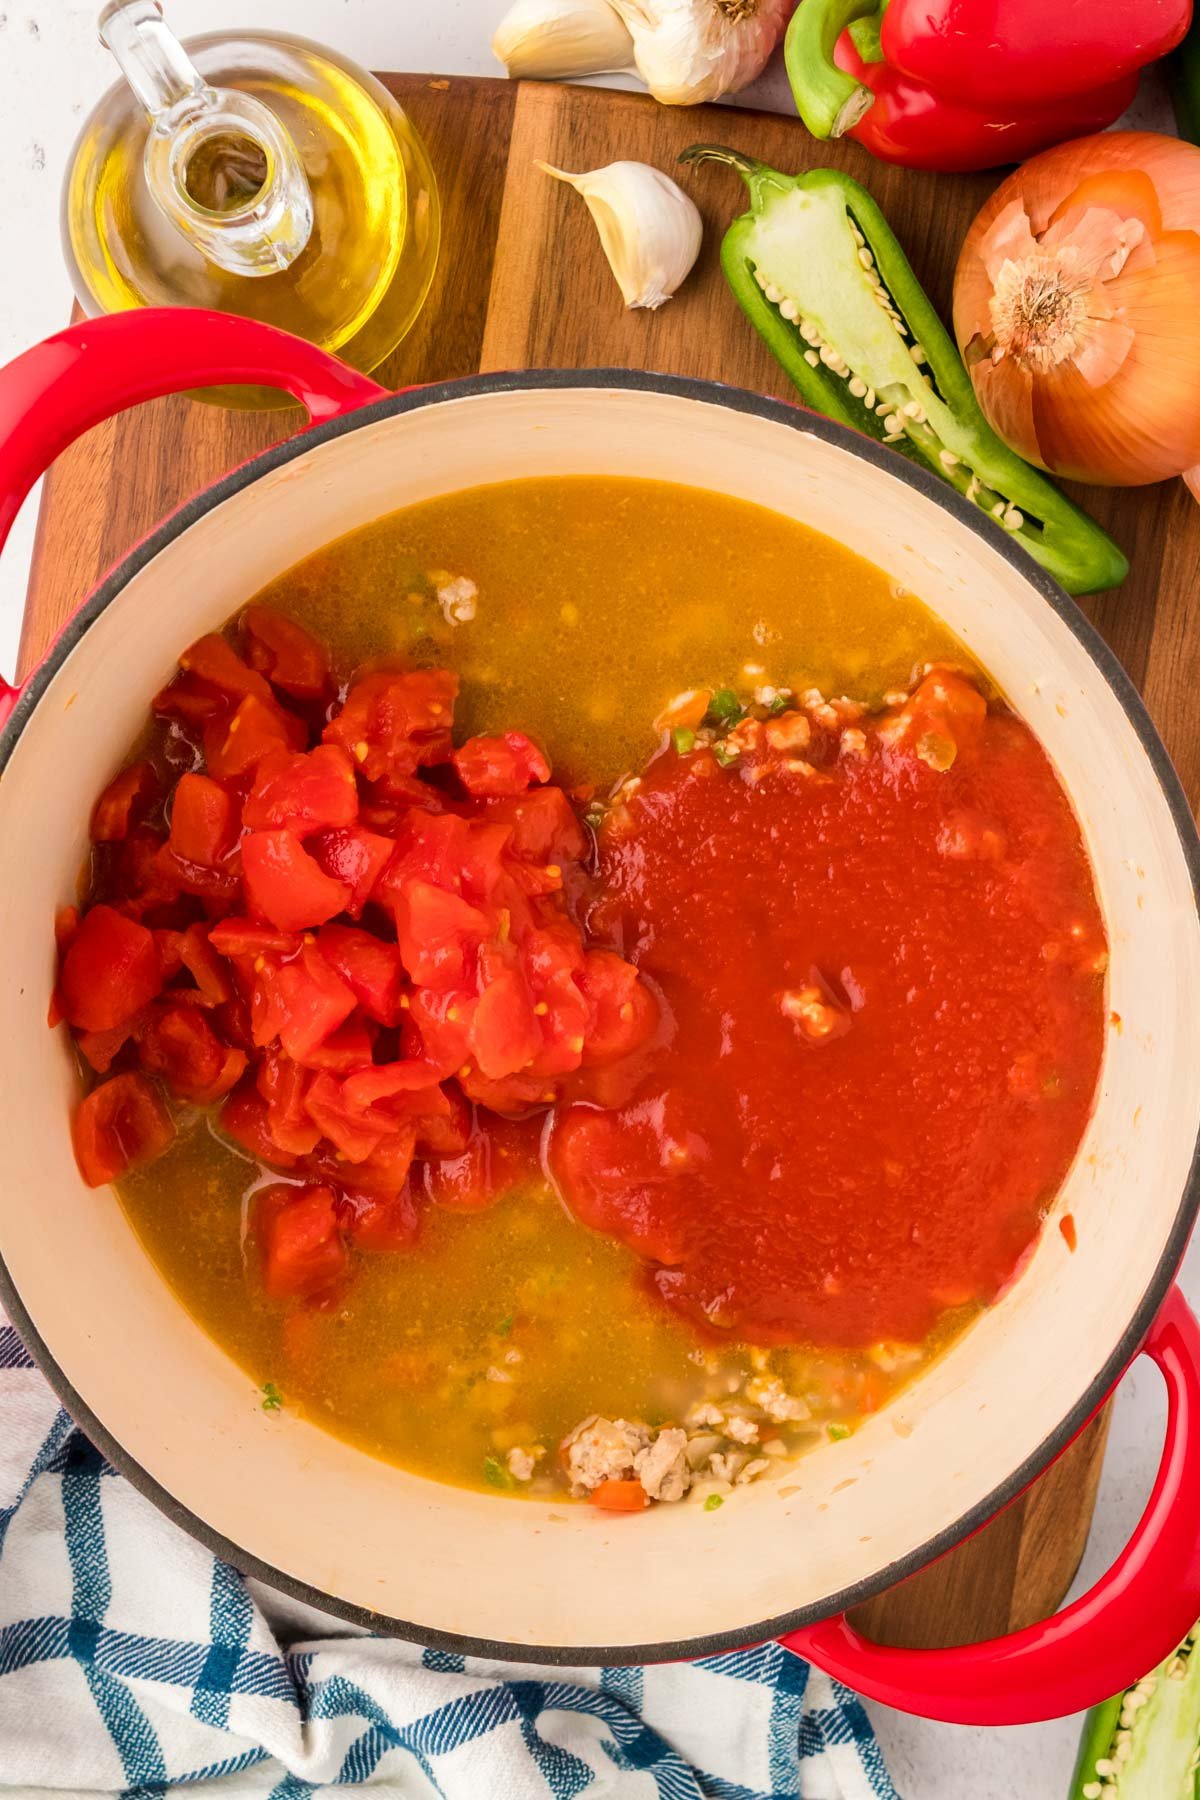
[620, 1496]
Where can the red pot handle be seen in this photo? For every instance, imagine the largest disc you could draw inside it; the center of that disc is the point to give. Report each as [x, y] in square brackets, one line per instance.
[81, 376]
[1110, 1637]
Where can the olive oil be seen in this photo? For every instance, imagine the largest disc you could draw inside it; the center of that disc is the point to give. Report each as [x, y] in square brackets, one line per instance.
[253, 174]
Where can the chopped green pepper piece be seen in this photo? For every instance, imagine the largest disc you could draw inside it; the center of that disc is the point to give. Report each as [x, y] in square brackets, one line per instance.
[594, 817]
[724, 754]
[1160, 1732]
[725, 708]
[822, 278]
[837, 1432]
[495, 1473]
[713, 1501]
[684, 740]
[272, 1399]
[505, 1325]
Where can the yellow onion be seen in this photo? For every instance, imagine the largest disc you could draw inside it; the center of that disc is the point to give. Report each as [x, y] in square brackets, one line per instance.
[1077, 309]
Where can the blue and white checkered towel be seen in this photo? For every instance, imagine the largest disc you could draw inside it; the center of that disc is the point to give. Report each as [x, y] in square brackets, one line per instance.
[132, 1661]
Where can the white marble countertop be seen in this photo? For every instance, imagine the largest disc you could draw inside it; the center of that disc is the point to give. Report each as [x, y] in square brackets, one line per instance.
[52, 68]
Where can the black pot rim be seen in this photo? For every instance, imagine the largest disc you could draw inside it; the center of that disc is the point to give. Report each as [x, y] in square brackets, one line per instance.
[929, 487]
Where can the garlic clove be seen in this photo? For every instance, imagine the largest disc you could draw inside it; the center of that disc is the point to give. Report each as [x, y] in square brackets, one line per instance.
[649, 229]
[687, 51]
[555, 40]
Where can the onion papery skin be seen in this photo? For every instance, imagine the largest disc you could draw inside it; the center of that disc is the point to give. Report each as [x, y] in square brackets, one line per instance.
[1077, 308]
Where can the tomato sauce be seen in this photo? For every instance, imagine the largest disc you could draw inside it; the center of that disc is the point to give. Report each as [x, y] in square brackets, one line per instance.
[844, 1184]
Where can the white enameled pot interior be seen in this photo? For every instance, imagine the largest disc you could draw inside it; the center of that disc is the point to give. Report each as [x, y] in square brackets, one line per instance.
[542, 1575]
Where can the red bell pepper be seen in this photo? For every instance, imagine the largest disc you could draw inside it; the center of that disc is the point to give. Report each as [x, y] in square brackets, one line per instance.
[990, 52]
[956, 84]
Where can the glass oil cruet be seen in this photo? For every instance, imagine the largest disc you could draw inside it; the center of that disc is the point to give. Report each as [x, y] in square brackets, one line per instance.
[253, 173]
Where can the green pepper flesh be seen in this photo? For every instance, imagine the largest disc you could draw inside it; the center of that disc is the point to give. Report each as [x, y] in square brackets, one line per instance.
[1145, 1743]
[820, 274]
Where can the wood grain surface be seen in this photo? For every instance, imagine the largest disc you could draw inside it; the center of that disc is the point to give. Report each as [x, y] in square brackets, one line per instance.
[522, 283]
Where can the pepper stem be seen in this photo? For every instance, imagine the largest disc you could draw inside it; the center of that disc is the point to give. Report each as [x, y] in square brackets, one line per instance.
[758, 176]
[698, 153]
[828, 100]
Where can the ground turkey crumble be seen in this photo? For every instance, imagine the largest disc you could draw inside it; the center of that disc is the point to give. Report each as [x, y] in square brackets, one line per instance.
[717, 1448]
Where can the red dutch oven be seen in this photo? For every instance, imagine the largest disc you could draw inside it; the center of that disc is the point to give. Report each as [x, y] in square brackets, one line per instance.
[534, 1581]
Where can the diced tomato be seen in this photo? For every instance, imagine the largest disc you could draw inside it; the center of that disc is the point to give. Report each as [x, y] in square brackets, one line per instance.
[127, 796]
[191, 701]
[383, 1174]
[445, 1133]
[399, 1089]
[110, 971]
[285, 885]
[438, 934]
[246, 1119]
[246, 937]
[355, 856]
[544, 826]
[945, 715]
[169, 944]
[552, 960]
[145, 874]
[177, 1042]
[621, 1185]
[345, 1050]
[310, 1002]
[383, 1222]
[260, 979]
[463, 1183]
[393, 793]
[119, 1126]
[440, 1025]
[213, 660]
[235, 745]
[203, 820]
[283, 1085]
[66, 924]
[345, 1125]
[312, 791]
[622, 1012]
[500, 765]
[299, 1240]
[370, 967]
[290, 657]
[513, 1096]
[101, 1048]
[217, 883]
[233, 1022]
[394, 722]
[504, 1030]
[620, 1496]
[208, 970]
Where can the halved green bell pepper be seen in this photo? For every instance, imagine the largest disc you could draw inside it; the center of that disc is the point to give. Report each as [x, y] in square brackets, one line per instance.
[821, 276]
[1145, 1743]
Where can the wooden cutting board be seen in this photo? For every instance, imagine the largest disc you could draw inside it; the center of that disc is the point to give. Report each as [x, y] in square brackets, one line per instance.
[522, 283]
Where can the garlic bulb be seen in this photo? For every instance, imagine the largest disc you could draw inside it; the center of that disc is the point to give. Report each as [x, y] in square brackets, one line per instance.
[553, 40]
[649, 230]
[692, 50]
